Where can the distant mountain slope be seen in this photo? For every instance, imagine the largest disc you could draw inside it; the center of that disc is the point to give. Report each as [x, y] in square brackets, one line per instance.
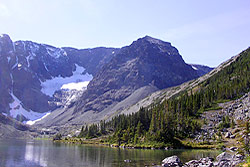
[32, 77]
[147, 64]
[164, 94]
[91, 59]
[201, 69]
[193, 112]
[30, 73]
[10, 128]
[147, 61]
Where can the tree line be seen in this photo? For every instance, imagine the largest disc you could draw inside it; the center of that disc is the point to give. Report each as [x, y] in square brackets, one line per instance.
[177, 117]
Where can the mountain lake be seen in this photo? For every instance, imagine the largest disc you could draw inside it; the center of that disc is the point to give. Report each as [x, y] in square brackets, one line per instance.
[44, 153]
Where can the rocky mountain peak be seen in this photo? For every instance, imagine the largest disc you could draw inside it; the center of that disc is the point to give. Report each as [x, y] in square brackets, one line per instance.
[4, 37]
[149, 45]
[6, 44]
[154, 40]
[146, 62]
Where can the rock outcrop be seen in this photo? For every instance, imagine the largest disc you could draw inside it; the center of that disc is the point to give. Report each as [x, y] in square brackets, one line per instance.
[223, 160]
[172, 161]
[236, 110]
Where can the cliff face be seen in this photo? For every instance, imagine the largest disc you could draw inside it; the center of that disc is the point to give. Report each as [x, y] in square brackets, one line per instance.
[30, 74]
[145, 62]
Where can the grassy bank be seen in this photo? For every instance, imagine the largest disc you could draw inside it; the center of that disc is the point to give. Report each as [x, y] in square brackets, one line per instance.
[187, 144]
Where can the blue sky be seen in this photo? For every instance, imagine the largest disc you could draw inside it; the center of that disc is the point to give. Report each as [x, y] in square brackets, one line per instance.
[204, 32]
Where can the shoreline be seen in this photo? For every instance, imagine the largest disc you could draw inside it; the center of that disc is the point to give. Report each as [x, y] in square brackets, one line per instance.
[152, 146]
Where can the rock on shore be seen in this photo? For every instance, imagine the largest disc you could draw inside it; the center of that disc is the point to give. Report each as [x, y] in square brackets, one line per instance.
[172, 161]
[223, 160]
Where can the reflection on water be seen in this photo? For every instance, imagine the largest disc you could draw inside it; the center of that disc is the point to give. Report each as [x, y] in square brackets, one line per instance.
[48, 154]
[35, 154]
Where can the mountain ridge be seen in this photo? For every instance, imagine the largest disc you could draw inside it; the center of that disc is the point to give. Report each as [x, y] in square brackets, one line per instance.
[197, 114]
[25, 68]
[143, 64]
[30, 71]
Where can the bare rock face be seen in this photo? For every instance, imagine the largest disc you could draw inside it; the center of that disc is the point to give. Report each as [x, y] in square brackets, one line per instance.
[10, 128]
[147, 61]
[6, 47]
[91, 59]
[25, 65]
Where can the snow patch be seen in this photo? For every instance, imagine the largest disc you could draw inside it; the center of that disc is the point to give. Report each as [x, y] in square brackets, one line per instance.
[11, 77]
[8, 58]
[28, 61]
[16, 109]
[24, 45]
[45, 67]
[76, 86]
[55, 52]
[71, 99]
[14, 66]
[50, 86]
[14, 48]
[30, 57]
[34, 47]
[33, 122]
[33, 55]
[194, 68]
